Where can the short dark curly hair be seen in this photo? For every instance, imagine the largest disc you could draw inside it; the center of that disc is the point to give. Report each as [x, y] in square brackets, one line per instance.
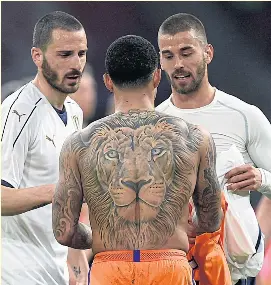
[130, 61]
[55, 20]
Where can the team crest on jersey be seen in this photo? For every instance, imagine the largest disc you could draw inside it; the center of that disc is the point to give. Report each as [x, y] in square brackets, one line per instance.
[76, 122]
[19, 115]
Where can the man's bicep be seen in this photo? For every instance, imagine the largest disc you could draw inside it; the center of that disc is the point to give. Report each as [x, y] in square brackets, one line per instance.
[259, 140]
[68, 196]
[207, 194]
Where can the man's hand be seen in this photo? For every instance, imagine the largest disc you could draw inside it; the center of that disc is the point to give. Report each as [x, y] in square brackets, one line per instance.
[244, 178]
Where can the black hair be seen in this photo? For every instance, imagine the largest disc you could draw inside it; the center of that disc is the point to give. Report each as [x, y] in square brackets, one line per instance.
[183, 22]
[130, 61]
[54, 20]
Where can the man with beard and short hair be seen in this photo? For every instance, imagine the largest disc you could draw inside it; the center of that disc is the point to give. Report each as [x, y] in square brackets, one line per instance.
[36, 119]
[137, 170]
[234, 124]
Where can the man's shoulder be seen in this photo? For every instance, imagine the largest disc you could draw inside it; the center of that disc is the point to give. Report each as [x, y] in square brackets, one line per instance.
[135, 119]
[21, 107]
[83, 136]
[233, 102]
[25, 98]
[95, 125]
[163, 106]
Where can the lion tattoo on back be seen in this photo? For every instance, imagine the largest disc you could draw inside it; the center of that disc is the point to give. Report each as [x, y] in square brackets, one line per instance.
[134, 169]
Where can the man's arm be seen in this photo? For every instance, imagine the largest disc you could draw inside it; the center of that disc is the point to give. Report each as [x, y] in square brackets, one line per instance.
[78, 266]
[263, 212]
[207, 194]
[17, 201]
[78, 260]
[17, 140]
[207, 249]
[67, 203]
[248, 177]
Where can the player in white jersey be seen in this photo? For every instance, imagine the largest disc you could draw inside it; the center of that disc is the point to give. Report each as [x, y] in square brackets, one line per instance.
[36, 120]
[184, 56]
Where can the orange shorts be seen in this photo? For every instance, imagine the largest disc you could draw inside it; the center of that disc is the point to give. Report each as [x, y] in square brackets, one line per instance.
[207, 259]
[148, 267]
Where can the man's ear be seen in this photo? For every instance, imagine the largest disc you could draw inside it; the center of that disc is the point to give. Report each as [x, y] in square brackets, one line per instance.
[209, 53]
[108, 82]
[156, 77]
[37, 56]
[161, 60]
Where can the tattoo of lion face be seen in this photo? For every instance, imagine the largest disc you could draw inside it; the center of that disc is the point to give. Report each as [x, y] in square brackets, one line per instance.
[134, 170]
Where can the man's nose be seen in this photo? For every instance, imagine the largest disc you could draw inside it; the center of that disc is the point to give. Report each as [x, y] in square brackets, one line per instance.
[179, 62]
[77, 63]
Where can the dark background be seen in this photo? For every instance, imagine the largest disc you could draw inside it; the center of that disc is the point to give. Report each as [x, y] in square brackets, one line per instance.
[239, 31]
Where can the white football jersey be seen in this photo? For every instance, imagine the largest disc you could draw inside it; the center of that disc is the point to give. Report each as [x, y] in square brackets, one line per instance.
[231, 121]
[32, 137]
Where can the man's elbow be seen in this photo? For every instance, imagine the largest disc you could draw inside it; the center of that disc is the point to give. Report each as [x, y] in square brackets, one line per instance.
[210, 224]
[216, 224]
[63, 239]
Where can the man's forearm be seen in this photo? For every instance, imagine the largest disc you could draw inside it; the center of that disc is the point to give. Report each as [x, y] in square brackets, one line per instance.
[78, 266]
[18, 201]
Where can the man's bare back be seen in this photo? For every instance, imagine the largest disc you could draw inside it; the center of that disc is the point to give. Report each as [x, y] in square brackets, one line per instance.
[138, 171]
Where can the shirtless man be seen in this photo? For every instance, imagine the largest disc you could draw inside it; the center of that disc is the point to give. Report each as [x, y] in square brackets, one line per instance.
[137, 170]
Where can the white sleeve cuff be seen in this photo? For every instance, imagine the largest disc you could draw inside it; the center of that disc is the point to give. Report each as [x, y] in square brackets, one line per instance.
[265, 188]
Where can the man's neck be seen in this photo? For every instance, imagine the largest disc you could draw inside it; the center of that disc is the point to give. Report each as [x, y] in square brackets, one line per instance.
[55, 98]
[201, 97]
[140, 100]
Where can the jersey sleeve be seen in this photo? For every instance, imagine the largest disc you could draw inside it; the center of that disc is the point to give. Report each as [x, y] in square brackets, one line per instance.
[16, 141]
[259, 146]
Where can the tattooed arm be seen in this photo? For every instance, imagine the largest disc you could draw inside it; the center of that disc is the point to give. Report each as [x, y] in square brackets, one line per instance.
[207, 194]
[67, 202]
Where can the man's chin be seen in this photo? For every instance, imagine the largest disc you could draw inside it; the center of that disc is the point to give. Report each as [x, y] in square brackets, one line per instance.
[70, 89]
[73, 90]
[184, 91]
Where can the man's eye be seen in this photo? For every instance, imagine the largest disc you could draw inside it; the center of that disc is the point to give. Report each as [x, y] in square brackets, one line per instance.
[82, 53]
[64, 54]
